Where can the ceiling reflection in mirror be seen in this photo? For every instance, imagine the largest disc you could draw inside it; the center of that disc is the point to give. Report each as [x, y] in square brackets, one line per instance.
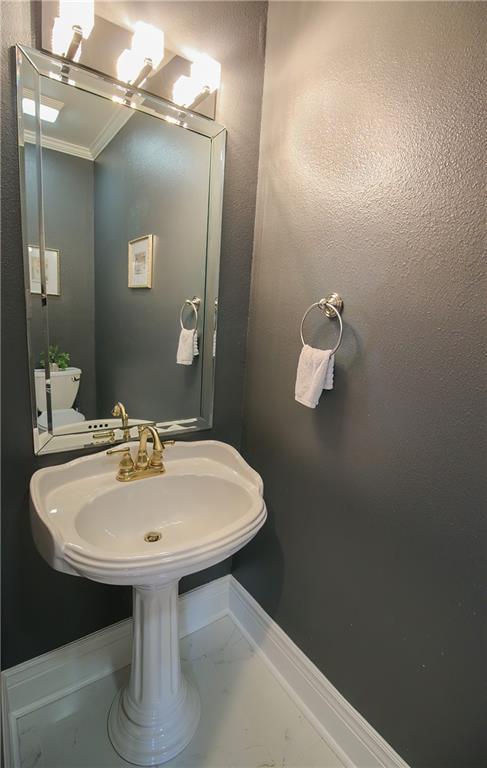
[121, 209]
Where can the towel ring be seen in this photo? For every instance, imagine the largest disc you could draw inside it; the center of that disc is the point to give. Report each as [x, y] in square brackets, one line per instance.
[332, 306]
[194, 303]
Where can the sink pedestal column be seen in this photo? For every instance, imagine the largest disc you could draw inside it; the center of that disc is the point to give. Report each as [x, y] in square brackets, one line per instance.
[156, 716]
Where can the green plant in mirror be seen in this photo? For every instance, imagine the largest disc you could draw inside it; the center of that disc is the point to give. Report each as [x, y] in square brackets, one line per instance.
[56, 358]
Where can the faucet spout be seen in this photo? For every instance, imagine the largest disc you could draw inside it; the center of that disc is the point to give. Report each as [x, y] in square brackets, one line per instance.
[144, 465]
[155, 461]
[118, 410]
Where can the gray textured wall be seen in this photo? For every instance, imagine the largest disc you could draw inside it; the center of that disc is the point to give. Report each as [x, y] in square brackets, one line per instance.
[373, 559]
[234, 34]
[151, 179]
[69, 227]
[42, 609]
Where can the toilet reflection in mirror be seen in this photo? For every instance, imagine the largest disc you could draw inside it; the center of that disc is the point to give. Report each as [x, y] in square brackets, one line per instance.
[64, 390]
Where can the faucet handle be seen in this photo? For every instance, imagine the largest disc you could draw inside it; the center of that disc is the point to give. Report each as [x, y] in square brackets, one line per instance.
[156, 457]
[126, 468]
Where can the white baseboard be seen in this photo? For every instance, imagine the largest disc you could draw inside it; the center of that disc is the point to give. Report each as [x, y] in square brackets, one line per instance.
[355, 742]
[53, 675]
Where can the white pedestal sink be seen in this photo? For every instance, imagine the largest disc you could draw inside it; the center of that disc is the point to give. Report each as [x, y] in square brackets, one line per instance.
[149, 533]
[155, 717]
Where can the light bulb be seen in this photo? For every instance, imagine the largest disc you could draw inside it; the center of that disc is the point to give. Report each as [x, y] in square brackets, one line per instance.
[72, 13]
[79, 13]
[62, 34]
[185, 90]
[148, 43]
[206, 72]
[205, 76]
[129, 64]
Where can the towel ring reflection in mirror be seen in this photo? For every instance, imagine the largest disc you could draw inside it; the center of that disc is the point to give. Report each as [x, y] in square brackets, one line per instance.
[332, 307]
[194, 303]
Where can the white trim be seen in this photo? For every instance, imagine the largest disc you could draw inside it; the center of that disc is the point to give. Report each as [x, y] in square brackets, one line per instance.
[107, 133]
[355, 742]
[55, 674]
[58, 145]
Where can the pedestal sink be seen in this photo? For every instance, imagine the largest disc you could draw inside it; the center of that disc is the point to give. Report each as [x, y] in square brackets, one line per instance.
[148, 533]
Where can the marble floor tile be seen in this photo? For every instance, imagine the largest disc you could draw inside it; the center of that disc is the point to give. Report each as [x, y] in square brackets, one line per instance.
[247, 719]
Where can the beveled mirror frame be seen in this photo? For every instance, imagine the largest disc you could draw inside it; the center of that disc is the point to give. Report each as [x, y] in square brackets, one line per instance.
[80, 77]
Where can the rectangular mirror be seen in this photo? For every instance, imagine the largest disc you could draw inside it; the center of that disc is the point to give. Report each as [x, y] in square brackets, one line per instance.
[121, 215]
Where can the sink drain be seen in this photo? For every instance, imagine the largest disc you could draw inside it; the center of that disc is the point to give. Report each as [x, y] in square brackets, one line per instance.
[152, 536]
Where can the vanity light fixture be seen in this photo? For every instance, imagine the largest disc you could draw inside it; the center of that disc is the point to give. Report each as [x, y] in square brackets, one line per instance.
[74, 23]
[136, 63]
[204, 79]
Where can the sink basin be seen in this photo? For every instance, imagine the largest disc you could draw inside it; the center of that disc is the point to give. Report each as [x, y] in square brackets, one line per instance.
[148, 533]
[206, 506]
[185, 509]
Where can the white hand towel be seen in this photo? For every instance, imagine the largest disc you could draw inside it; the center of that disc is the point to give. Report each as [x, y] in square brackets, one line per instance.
[315, 373]
[185, 351]
[195, 344]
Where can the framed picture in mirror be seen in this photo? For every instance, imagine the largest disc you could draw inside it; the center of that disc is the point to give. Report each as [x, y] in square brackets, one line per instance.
[140, 262]
[51, 266]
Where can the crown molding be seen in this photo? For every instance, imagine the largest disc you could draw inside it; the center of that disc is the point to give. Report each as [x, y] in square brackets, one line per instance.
[58, 145]
[110, 130]
[107, 133]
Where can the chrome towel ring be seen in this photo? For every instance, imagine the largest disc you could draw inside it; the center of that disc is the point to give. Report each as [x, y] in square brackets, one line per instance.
[194, 303]
[332, 307]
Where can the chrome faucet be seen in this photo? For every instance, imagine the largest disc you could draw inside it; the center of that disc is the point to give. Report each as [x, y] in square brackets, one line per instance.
[144, 465]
